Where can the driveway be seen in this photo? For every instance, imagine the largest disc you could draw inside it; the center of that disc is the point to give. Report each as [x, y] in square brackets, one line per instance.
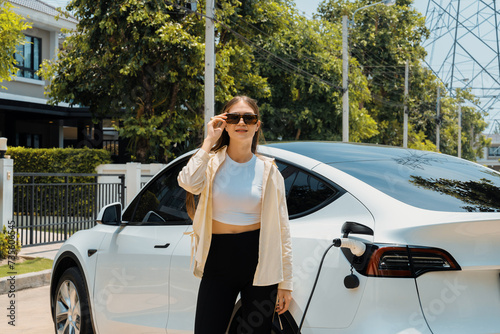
[32, 312]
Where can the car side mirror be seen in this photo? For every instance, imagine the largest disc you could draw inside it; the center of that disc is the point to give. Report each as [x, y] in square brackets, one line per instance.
[111, 214]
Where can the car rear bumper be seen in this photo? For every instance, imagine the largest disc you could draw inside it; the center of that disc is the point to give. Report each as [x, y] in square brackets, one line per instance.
[388, 306]
[461, 302]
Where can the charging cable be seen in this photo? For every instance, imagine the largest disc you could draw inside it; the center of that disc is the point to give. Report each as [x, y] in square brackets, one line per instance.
[357, 248]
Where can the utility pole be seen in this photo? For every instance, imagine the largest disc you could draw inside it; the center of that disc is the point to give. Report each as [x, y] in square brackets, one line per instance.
[345, 77]
[405, 121]
[472, 139]
[345, 66]
[459, 130]
[209, 63]
[438, 120]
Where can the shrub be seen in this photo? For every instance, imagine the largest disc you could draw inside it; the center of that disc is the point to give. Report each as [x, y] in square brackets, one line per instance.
[7, 245]
[57, 160]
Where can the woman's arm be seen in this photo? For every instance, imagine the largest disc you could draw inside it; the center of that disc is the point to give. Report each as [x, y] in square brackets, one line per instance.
[286, 243]
[192, 177]
[285, 287]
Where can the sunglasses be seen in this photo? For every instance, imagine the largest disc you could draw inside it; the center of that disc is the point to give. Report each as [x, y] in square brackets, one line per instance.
[249, 119]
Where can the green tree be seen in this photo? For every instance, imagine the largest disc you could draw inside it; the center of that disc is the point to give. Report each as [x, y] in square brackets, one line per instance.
[473, 125]
[301, 61]
[423, 117]
[127, 59]
[143, 61]
[11, 35]
[382, 39]
[303, 66]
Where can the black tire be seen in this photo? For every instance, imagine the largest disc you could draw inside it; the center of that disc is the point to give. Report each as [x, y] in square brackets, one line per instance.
[71, 308]
[287, 323]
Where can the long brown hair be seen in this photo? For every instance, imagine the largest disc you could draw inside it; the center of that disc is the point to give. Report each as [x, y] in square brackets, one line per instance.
[224, 141]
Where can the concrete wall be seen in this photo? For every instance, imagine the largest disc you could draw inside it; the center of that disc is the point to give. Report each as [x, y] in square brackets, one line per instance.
[136, 174]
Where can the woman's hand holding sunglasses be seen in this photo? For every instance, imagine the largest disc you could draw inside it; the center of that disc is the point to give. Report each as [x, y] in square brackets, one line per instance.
[214, 131]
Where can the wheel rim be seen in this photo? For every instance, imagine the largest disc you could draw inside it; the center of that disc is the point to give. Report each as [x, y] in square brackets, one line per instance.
[68, 311]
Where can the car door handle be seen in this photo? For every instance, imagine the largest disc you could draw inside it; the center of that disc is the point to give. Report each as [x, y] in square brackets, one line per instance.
[163, 246]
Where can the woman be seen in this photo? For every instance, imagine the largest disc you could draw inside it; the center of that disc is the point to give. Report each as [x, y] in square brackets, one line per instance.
[240, 227]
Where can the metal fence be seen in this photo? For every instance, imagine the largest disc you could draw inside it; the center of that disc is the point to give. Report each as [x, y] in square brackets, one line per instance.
[50, 207]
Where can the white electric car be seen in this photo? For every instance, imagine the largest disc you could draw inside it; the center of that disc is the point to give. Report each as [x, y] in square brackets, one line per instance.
[423, 230]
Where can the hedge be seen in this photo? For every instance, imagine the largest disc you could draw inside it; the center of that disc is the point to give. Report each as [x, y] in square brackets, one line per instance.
[57, 160]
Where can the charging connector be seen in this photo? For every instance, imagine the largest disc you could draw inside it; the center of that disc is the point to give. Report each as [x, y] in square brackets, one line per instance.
[356, 247]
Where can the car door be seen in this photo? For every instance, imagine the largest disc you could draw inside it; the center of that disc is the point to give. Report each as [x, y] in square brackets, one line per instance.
[317, 209]
[132, 281]
[308, 198]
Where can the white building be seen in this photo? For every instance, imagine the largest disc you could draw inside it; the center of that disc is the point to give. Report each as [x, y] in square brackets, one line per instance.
[491, 155]
[25, 117]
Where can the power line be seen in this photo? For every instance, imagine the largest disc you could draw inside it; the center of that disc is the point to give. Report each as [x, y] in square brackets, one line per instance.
[250, 25]
[284, 63]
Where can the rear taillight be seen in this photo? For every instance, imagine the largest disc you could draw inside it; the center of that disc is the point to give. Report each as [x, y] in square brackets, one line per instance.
[402, 261]
[389, 261]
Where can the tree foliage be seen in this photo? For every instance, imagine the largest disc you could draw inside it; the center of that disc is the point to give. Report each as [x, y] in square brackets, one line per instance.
[143, 61]
[11, 35]
[382, 39]
[128, 59]
[302, 63]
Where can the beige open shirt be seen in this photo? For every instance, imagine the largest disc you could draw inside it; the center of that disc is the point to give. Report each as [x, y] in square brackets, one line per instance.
[275, 247]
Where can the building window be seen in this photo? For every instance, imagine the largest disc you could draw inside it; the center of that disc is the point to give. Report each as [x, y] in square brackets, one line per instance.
[494, 152]
[29, 57]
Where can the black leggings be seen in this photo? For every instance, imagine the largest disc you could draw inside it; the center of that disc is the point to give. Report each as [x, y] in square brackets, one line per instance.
[229, 270]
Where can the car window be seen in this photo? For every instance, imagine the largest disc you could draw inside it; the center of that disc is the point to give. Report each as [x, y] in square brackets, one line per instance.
[162, 202]
[305, 192]
[423, 179]
[432, 182]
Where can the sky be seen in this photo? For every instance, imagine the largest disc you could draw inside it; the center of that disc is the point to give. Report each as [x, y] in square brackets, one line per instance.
[309, 6]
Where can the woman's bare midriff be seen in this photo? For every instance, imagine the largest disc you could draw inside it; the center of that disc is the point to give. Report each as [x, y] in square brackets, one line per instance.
[223, 228]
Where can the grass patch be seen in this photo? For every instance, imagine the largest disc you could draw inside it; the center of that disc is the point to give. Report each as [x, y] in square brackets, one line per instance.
[28, 266]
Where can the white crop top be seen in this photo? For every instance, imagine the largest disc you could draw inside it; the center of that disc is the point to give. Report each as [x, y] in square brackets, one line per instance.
[237, 192]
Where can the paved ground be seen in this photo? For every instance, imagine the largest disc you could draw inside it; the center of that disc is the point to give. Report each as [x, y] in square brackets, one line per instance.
[47, 251]
[32, 310]
[32, 313]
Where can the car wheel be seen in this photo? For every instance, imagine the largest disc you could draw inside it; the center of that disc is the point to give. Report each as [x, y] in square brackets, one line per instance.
[71, 314]
[284, 324]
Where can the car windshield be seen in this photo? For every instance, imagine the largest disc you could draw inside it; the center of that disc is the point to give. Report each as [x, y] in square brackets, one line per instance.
[423, 179]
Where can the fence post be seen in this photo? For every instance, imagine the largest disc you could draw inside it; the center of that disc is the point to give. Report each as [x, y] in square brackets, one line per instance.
[32, 210]
[66, 207]
[132, 180]
[122, 189]
[6, 191]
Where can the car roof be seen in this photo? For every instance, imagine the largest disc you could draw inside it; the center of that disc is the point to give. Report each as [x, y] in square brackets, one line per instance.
[338, 152]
